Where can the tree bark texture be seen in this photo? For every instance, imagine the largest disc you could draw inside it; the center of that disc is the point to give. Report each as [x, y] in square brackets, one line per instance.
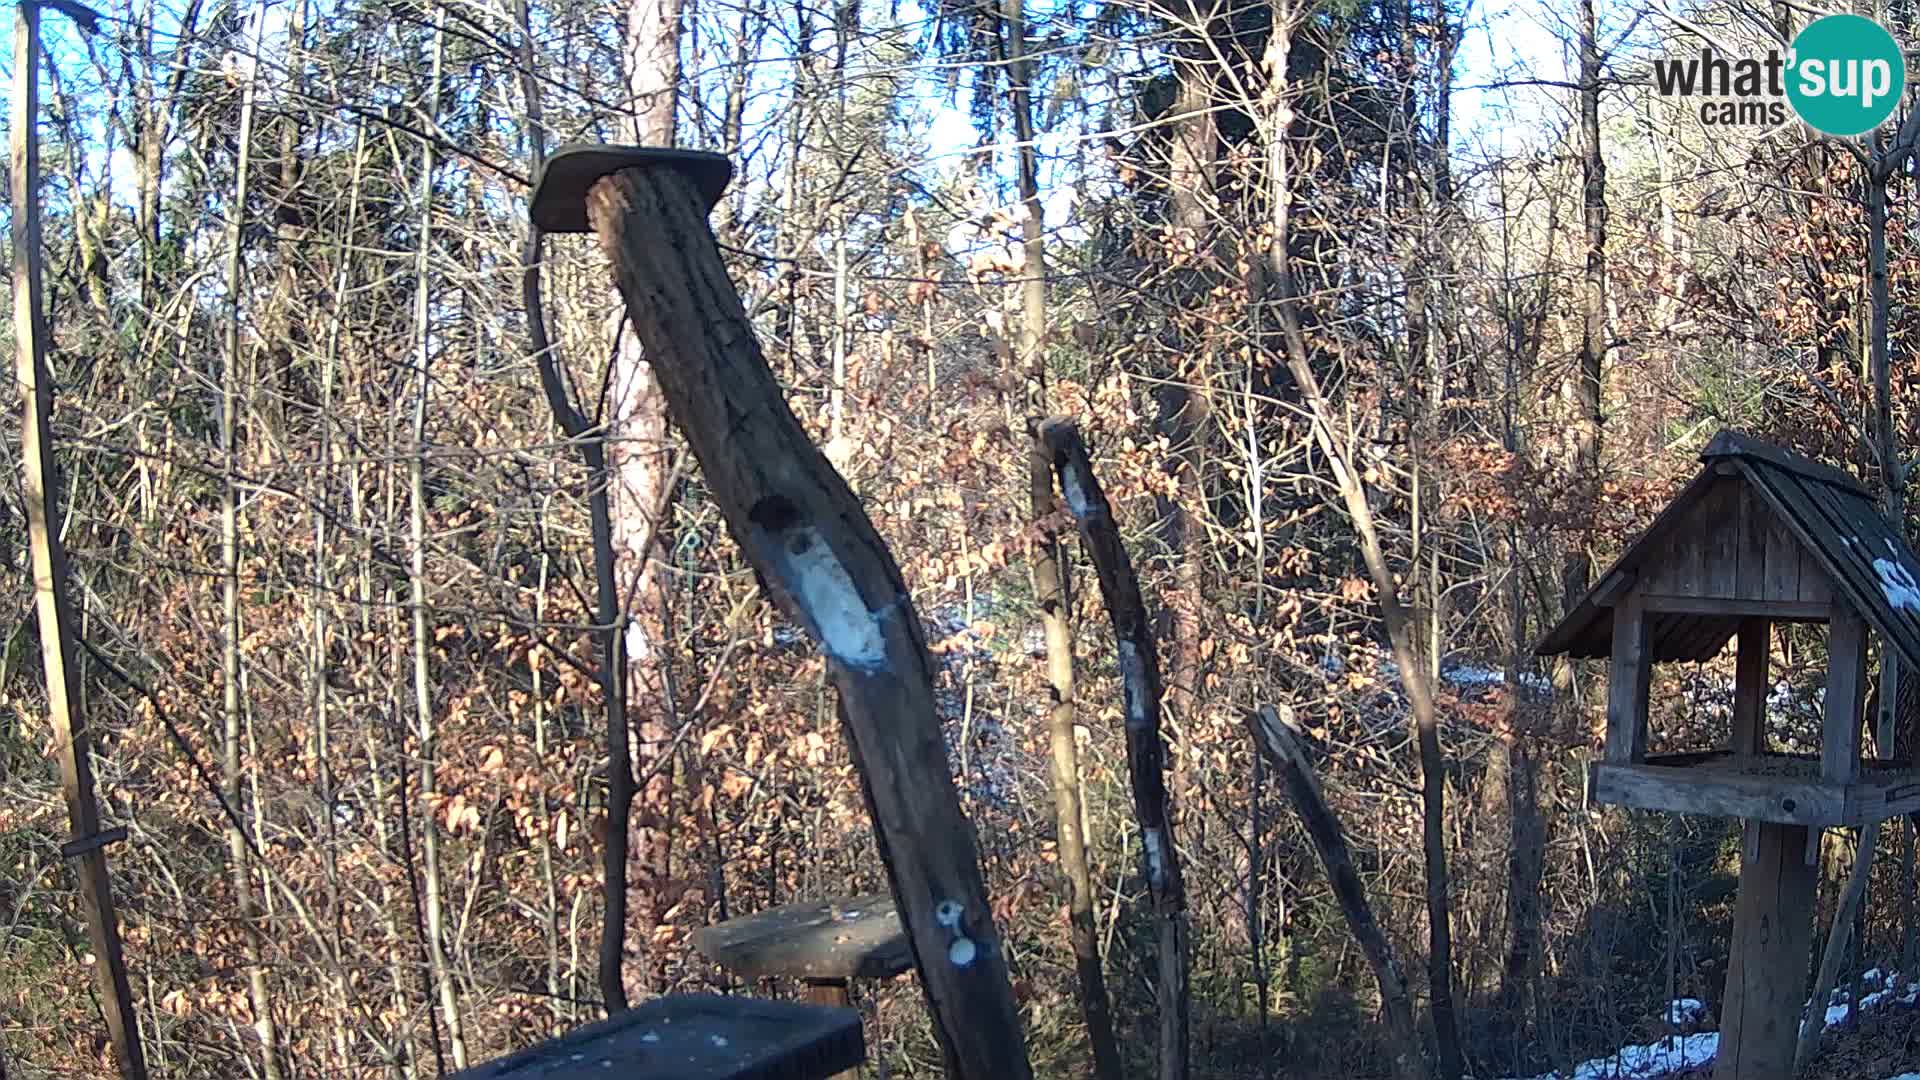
[1146, 756]
[804, 532]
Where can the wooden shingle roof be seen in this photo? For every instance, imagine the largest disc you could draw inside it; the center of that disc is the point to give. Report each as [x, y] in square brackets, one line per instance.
[1841, 535]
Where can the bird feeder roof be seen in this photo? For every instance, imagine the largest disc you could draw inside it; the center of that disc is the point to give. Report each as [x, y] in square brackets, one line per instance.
[1831, 518]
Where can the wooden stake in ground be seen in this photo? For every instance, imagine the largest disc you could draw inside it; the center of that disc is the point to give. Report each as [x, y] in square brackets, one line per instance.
[801, 527]
[1146, 758]
[58, 643]
[1277, 742]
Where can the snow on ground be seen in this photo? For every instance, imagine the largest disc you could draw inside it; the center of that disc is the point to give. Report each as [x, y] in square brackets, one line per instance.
[1670, 1054]
[1886, 984]
[1684, 1011]
[1677, 1052]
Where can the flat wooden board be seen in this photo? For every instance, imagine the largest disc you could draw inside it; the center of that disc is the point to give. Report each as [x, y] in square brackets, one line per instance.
[1785, 789]
[852, 937]
[695, 1037]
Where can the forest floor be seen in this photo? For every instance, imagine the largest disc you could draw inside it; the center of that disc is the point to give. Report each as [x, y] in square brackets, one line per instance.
[1883, 1045]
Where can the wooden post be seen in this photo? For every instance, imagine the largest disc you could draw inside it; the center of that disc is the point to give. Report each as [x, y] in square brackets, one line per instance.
[58, 634]
[1627, 683]
[1750, 688]
[1846, 693]
[1767, 971]
[805, 533]
[1140, 688]
[837, 993]
[1276, 741]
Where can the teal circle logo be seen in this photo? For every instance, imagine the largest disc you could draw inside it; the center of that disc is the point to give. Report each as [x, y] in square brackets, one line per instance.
[1846, 75]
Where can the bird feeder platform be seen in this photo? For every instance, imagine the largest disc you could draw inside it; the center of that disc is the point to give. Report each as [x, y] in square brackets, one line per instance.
[695, 1037]
[854, 937]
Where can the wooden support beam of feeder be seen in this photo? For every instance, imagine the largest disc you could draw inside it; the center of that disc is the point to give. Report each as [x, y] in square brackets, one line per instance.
[814, 548]
[1846, 696]
[1629, 677]
[1767, 971]
[1750, 688]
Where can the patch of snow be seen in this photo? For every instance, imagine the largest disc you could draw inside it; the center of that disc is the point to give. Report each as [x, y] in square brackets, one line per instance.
[1898, 585]
[1156, 854]
[1076, 493]
[841, 621]
[1668, 1055]
[1133, 685]
[1685, 1011]
[1677, 1052]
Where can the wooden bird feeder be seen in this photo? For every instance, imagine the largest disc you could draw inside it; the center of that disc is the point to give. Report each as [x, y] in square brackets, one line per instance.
[825, 944]
[695, 1037]
[1760, 536]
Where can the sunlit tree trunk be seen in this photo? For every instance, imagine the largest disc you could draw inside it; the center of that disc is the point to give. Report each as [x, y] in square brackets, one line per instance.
[427, 732]
[232, 708]
[1050, 576]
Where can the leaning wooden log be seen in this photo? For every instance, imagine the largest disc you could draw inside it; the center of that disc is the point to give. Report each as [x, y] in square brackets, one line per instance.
[1275, 739]
[1140, 688]
[801, 527]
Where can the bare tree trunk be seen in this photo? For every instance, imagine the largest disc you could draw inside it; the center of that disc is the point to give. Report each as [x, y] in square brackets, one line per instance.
[232, 709]
[439, 969]
[801, 527]
[59, 643]
[1276, 741]
[636, 458]
[1051, 580]
[1577, 568]
[1146, 763]
[1184, 402]
[1414, 677]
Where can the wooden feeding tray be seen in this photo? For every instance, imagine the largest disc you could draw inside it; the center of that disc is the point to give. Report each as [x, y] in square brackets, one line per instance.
[853, 937]
[695, 1037]
[1782, 788]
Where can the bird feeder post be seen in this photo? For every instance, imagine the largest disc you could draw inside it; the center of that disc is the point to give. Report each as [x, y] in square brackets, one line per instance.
[805, 533]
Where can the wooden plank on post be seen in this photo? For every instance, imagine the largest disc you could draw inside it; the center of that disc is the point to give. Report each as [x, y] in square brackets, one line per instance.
[1782, 560]
[804, 531]
[1846, 693]
[1720, 539]
[1628, 679]
[1750, 687]
[1771, 947]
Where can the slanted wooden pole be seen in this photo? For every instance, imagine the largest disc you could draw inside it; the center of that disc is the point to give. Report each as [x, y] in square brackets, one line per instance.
[805, 533]
[1276, 741]
[57, 626]
[1140, 688]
